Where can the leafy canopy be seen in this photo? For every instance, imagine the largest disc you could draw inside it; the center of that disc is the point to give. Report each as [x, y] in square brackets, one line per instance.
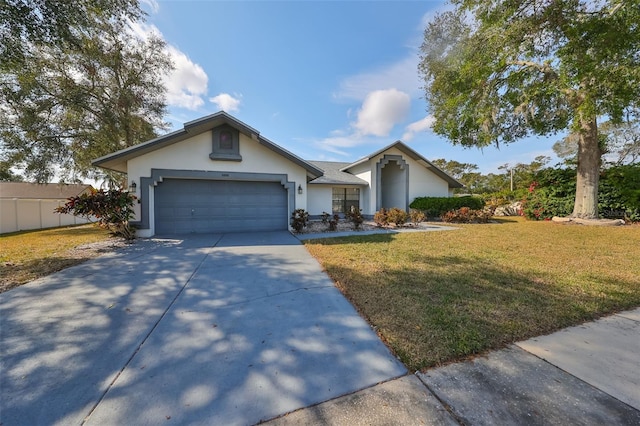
[81, 93]
[24, 23]
[497, 71]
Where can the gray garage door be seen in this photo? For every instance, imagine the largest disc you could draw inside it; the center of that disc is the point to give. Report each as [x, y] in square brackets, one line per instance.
[201, 206]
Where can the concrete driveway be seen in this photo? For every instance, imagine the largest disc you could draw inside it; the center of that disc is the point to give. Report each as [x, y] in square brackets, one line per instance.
[215, 329]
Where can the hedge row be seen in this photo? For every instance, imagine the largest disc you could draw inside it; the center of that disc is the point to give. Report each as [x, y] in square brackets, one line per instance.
[436, 206]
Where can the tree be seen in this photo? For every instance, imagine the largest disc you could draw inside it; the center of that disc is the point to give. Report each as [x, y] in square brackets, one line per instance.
[462, 172]
[72, 102]
[25, 23]
[620, 144]
[454, 168]
[521, 175]
[497, 71]
[8, 175]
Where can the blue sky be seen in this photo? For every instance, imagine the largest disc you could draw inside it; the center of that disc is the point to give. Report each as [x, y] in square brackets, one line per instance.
[327, 80]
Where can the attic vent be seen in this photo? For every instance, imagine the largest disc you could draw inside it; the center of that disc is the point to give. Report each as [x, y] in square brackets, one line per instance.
[225, 144]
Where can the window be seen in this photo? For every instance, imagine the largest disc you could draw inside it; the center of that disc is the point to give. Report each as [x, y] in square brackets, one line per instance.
[344, 199]
[226, 144]
[226, 140]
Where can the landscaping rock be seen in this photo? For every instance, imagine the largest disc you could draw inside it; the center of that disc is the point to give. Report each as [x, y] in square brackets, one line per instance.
[590, 222]
[512, 209]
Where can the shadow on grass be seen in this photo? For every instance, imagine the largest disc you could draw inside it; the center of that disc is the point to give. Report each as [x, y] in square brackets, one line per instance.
[504, 219]
[81, 229]
[435, 309]
[12, 276]
[353, 239]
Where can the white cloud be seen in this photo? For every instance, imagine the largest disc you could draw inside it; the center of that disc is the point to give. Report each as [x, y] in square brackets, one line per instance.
[226, 102]
[417, 127]
[334, 145]
[187, 83]
[339, 141]
[381, 111]
[403, 75]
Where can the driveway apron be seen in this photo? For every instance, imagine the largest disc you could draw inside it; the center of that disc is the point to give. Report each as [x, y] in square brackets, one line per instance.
[215, 329]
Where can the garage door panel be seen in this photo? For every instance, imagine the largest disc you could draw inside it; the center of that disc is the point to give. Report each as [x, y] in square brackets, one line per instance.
[200, 206]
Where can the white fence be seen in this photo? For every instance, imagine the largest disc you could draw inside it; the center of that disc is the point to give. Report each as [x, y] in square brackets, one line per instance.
[24, 214]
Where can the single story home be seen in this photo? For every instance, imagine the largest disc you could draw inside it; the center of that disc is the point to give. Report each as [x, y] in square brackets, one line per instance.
[25, 206]
[218, 174]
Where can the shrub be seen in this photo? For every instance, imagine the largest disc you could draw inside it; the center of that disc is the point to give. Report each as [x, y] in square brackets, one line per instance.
[544, 203]
[397, 216]
[113, 208]
[324, 217]
[466, 215]
[299, 219]
[380, 218]
[355, 216]
[553, 193]
[333, 223]
[417, 216]
[437, 206]
[619, 195]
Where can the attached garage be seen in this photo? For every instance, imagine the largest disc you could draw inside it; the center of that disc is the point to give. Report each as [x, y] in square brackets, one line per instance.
[218, 174]
[186, 206]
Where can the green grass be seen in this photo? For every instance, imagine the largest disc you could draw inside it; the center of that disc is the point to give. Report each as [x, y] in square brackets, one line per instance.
[27, 255]
[437, 297]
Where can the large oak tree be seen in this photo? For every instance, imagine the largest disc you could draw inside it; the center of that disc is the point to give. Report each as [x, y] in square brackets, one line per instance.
[79, 94]
[498, 71]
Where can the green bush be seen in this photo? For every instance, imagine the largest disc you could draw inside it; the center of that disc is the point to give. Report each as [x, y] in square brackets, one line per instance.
[437, 206]
[619, 195]
[554, 191]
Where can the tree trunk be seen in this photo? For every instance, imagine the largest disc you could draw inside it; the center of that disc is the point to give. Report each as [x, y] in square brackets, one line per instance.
[589, 157]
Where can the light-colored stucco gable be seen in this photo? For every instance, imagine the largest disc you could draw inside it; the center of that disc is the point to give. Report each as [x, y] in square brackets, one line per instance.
[190, 158]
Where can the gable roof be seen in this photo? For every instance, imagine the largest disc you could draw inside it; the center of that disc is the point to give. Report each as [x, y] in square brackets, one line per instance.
[55, 191]
[118, 160]
[412, 154]
[333, 174]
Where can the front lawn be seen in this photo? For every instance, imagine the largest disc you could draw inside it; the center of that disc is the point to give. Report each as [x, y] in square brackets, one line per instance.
[437, 297]
[27, 255]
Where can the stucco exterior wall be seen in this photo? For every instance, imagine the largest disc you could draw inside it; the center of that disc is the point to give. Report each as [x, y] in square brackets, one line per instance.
[422, 182]
[319, 199]
[425, 183]
[367, 200]
[193, 154]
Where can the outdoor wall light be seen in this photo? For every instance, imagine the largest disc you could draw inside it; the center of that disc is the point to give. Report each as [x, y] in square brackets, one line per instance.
[299, 189]
[132, 188]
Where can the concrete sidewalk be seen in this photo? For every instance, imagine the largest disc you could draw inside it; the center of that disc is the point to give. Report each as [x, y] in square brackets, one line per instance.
[589, 374]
